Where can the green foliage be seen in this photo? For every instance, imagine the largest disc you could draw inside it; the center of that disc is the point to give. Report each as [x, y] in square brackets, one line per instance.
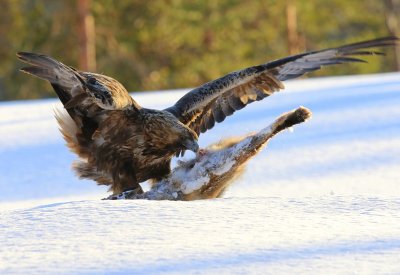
[165, 44]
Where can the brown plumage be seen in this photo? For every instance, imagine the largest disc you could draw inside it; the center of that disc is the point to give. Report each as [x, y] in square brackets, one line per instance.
[119, 143]
[122, 144]
[209, 175]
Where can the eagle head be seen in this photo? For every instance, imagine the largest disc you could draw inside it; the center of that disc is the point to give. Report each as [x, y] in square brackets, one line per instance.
[189, 140]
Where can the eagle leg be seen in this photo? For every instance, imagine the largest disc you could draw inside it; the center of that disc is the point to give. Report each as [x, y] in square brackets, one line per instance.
[137, 190]
[124, 179]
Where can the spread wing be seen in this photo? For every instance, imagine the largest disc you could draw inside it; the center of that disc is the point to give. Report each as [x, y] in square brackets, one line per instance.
[99, 109]
[84, 95]
[212, 102]
[73, 86]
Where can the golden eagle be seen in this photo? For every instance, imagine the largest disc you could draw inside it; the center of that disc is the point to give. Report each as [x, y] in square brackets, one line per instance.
[122, 144]
[209, 175]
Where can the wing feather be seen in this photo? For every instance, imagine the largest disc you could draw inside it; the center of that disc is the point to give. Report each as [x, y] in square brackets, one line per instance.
[104, 91]
[119, 143]
[212, 102]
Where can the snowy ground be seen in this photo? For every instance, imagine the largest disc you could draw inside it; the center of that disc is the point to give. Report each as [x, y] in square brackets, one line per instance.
[323, 199]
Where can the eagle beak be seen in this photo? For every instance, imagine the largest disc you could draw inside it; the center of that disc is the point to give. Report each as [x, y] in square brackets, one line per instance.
[191, 145]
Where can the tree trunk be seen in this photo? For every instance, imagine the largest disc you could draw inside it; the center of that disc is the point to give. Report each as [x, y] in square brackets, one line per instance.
[393, 24]
[86, 34]
[291, 27]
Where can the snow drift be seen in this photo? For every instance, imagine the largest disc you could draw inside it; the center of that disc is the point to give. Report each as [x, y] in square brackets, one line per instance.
[324, 199]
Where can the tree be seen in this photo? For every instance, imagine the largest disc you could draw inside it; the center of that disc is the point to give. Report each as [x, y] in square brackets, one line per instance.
[177, 44]
[87, 36]
[393, 24]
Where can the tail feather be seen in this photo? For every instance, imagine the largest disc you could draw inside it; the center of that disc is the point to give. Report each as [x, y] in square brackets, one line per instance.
[68, 129]
[85, 170]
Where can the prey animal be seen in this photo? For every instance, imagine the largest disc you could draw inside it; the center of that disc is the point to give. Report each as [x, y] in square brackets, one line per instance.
[209, 175]
[120, 143]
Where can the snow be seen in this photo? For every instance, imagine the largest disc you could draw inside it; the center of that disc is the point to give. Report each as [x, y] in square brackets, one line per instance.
[268, 235]
[197, 177]
[323, 199]
[226, 167]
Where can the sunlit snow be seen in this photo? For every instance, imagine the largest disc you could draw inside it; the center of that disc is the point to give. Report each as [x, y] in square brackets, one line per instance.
[324, 199]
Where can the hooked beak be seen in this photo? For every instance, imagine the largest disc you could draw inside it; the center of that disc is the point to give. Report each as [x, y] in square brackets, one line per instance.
[191, 145]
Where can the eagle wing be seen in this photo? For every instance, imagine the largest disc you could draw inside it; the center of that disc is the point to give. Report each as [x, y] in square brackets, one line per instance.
[84, 95]
[90, 100]
[212, 102]
[72, 86]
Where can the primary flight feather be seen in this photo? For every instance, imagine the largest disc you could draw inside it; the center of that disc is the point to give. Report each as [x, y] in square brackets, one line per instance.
[121, 144]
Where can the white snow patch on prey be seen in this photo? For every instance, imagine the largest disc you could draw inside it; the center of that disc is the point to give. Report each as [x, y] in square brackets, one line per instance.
[266, 130]
[195, 184]
[225, 167]
[192, 179]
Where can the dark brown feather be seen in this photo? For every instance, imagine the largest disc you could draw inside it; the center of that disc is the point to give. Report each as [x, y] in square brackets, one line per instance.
[214, 101]
[120, 144]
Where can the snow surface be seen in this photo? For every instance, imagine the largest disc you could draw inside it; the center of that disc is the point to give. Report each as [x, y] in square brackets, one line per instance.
[323, 199]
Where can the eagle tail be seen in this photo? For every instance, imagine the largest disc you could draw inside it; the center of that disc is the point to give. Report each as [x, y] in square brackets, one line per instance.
[87, 171]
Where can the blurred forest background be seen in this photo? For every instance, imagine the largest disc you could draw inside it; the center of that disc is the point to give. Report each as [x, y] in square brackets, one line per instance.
[165, 44]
